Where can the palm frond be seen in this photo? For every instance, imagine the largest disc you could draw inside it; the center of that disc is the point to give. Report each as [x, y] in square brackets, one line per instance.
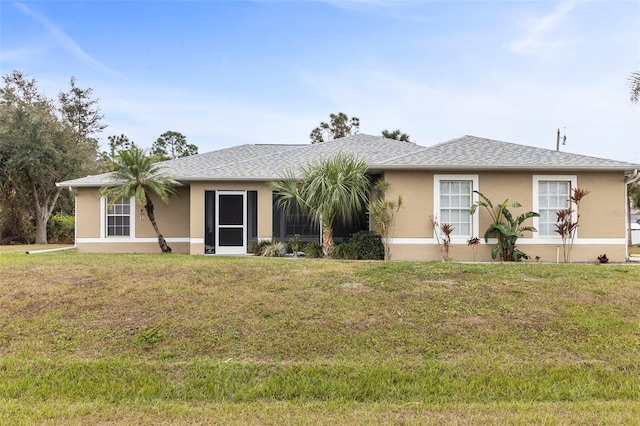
[136, 174]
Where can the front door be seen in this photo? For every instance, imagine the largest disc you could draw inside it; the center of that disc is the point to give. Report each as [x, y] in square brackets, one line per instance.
[231, 230]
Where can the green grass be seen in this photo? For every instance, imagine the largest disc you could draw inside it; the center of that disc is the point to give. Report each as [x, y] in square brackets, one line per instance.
[23, 248]
[88, 338]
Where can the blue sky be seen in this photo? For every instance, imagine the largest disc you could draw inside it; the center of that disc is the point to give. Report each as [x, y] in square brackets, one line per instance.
[230, 72]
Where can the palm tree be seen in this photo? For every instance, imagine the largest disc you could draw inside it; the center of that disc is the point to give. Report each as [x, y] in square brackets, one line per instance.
[334, 188]
[635, 87]
[136, 175]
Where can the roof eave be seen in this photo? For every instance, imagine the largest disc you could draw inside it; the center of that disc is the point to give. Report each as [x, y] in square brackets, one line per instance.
[625, 169]
[70, 184]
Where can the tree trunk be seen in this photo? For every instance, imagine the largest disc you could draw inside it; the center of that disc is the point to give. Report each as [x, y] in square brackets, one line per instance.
[41, 228]
[327, 239]
[43, 206]
[152, 218]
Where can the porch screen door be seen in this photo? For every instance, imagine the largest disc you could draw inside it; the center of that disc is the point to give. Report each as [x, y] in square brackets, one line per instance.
[231, 229]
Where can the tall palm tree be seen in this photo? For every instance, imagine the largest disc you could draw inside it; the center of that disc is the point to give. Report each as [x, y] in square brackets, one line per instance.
[136, 175]
[634, 80]
[334, 188]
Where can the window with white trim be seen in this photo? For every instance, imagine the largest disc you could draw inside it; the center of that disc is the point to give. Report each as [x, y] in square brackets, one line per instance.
[118, 217]
[551, 194]
[453, 198]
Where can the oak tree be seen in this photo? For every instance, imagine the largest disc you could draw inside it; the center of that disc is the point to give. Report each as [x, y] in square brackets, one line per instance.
[43, 142]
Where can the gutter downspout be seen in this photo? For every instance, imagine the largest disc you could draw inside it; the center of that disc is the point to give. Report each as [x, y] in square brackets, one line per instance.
[50, 250]
[634, 177]
[75, 218]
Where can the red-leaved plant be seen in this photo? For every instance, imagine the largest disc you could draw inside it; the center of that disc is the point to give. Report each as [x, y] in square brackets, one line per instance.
[446, 230]
[474, 243]
[565, 224]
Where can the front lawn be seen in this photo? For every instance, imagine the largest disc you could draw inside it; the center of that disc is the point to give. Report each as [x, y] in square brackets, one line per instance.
[151, 339]
[23, 248]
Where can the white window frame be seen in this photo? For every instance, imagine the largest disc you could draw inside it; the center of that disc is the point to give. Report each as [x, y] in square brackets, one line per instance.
[103, 221]
[573, 183]
[475, 185]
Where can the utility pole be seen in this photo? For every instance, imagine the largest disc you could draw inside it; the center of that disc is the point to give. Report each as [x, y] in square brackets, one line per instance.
[564, 140]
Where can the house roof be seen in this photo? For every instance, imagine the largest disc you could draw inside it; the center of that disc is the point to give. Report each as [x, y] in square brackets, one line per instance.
[269, 162]
[471, 152]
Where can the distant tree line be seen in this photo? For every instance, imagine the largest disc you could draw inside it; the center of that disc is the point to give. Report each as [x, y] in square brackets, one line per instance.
[45, 140]
[340, 126]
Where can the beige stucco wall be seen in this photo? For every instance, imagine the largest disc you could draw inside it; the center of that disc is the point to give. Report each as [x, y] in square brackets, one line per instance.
[601, 215]
[147, 247]
[87, 213]
[172, 219]
[602, 221]
[603, 210]
[545, 253]
[196, 231]
[416, 188]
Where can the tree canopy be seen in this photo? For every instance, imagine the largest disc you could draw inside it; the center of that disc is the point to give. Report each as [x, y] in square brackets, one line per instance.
[339, 126]
[43, 142]
[635, 87]
[171, 145]
[136, 174]
[396, 134]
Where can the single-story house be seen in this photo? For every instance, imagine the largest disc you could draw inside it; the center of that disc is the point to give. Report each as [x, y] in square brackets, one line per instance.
[225, 201]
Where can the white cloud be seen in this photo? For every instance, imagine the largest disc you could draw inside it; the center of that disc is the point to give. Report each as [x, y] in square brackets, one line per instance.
[67, 43]
[525, 112]
[538, 37]
[208, 121]
[20, 55]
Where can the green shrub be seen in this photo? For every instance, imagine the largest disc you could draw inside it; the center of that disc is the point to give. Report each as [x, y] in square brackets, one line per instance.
[344, 251]
[61, 229]
[295, 243]
[368, 245]
[257, 247]
[313, 249]
[275, 249]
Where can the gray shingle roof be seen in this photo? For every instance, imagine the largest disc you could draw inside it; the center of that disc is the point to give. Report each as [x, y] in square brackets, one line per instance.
[372, 149]
[471, 152]
[269, 162]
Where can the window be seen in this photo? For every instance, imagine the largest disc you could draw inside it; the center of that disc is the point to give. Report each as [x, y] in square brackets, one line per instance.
[286, 225]
[298, 224]
[118, 217]
[453, 199]
[551, 194]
